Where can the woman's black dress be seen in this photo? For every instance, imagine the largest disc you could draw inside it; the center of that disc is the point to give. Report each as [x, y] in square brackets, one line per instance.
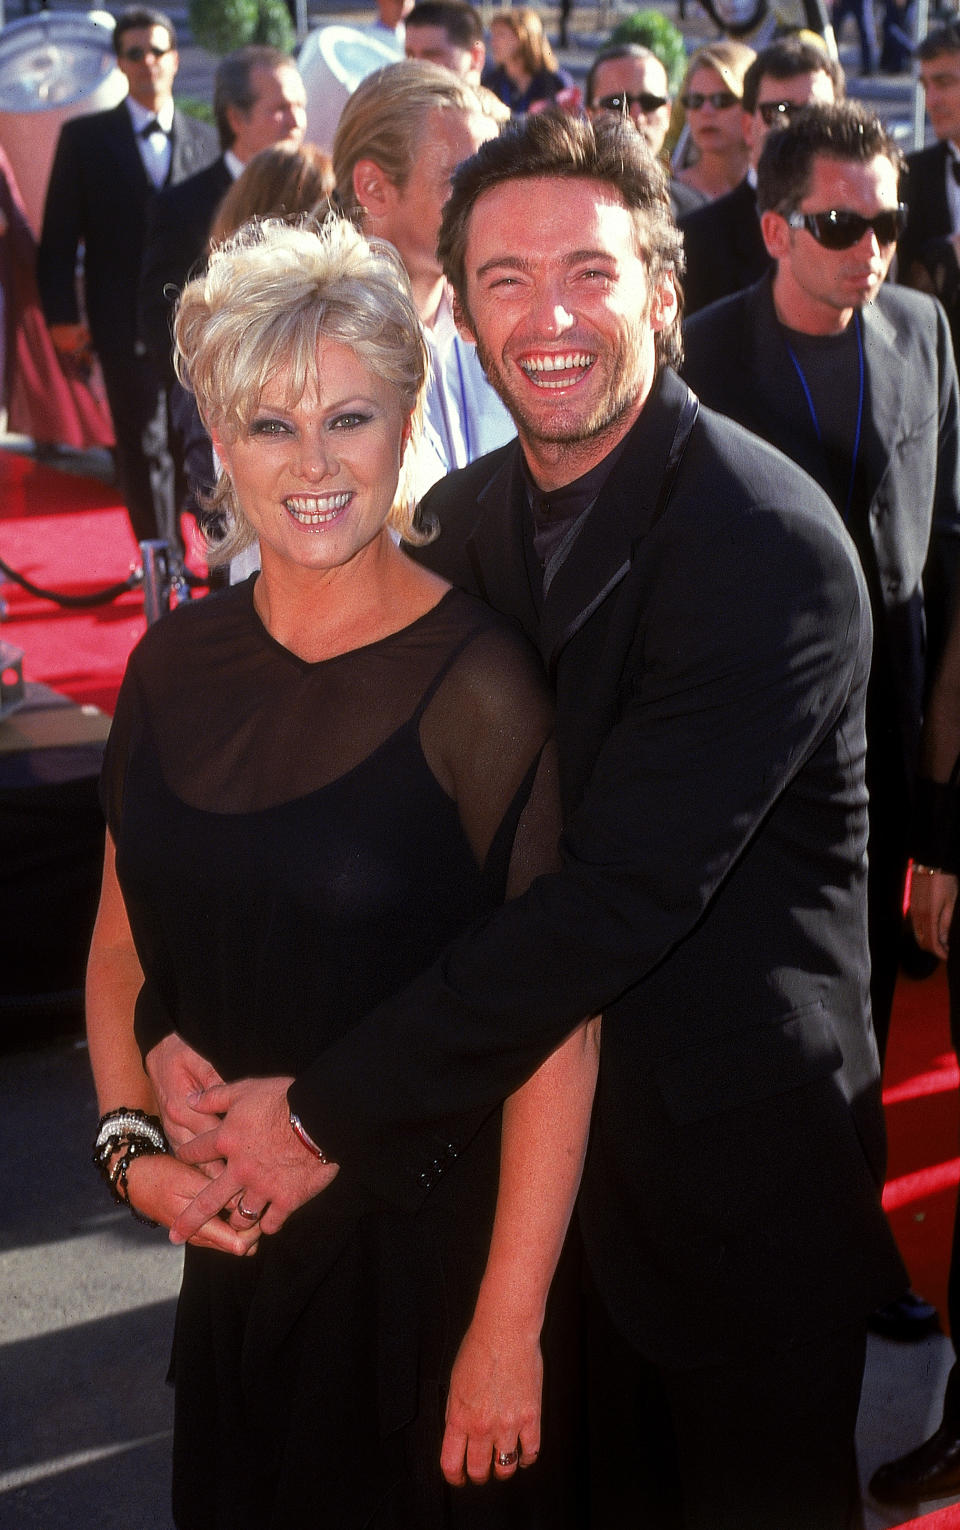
[288, 858]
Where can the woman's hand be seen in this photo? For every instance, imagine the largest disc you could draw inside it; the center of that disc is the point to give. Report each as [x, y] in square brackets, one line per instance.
[493, 1409]
[933, 895]
[160, 1187]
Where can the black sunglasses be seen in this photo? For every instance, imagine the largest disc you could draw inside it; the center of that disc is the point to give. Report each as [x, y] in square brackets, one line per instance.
[137, 55]
[837, 230]
[776, 111]
[719, 100]
[622, 102]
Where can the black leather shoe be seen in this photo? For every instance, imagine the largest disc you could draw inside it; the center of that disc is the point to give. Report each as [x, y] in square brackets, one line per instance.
[930, 1471]
[908, 1319]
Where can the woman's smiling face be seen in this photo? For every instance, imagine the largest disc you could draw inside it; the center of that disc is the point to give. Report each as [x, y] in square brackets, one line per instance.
[317, 477]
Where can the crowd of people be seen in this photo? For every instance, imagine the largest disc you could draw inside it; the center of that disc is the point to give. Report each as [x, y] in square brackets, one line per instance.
[503, 890]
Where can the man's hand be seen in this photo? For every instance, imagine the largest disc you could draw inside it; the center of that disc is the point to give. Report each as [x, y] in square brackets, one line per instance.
[932, 899]
[73, 341]
[178, 1073]
[265, 1163]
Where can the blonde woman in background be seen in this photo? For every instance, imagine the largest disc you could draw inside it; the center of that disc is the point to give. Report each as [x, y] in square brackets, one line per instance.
[712, 97]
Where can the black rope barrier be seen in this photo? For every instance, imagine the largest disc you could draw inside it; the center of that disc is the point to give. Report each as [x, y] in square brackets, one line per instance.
[97, 598]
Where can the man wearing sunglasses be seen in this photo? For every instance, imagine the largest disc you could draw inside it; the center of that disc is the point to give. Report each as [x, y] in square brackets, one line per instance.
[724, 245]
[856, 382]
[108, 168]
[631, 80]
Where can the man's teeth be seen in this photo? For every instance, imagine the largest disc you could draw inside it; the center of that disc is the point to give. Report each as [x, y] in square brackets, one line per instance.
[314, 511]
[536, 366]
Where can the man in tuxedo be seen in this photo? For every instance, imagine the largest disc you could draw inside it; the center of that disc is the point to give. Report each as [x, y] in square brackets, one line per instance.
[932, 180]
[259, 101]
[629, 78]
[856, 382]
[108, 169]
[710, 733]
[447, 32]
[723, 243]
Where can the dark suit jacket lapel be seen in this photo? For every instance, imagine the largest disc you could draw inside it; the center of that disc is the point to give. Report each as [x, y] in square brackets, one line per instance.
[750, 249]
[772, 401]
[933, 212]
[626, 508]
[124, 141]
[183, 156]
[495, 547]
[884, 396]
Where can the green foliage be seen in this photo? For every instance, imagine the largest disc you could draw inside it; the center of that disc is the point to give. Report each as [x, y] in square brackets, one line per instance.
[220, 26]
[192, 107]
[274, 25]
[652, 30]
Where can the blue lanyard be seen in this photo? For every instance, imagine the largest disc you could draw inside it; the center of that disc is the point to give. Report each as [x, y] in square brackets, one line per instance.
[813, 413]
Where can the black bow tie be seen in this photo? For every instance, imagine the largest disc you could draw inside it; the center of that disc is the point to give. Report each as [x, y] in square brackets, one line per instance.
[154, 127]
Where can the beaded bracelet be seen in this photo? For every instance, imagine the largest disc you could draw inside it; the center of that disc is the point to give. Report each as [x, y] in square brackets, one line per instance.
[140, 1136]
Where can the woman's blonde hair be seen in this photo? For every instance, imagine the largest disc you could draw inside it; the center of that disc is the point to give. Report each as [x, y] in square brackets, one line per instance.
[526, 26]
[730, 59]
[276, 183]
[269, 297]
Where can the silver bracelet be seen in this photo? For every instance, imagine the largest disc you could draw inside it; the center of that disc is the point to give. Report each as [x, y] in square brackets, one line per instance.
[298, 1127]
[120, 1122]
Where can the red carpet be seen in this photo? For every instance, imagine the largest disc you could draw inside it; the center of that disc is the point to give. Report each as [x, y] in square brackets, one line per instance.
[67, 534]
[923, 1121]
[70, 535]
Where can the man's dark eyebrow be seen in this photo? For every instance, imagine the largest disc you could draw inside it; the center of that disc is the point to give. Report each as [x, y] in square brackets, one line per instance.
[517, 263]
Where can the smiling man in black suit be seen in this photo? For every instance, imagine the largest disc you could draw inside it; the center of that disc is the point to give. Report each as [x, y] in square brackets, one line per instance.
[108, 168]
[710, 734]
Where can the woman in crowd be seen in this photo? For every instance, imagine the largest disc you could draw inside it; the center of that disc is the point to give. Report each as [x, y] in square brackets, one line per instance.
[524, 70]
[279, 182]
[711, 96]
[313, 781]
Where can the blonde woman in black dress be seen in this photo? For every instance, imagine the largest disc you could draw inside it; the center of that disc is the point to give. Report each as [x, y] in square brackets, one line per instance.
[313, 781]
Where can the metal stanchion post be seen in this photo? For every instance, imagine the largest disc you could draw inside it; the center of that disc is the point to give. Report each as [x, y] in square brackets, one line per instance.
[156, 579]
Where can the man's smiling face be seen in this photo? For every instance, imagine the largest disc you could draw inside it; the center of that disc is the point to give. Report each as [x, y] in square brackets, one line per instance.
[564, 315]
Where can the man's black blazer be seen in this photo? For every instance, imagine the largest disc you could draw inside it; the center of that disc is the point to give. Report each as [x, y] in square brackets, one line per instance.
[710, 649]
[928, 215]
[98, 194]
[908, 536]
[176, 240]
[724, 248]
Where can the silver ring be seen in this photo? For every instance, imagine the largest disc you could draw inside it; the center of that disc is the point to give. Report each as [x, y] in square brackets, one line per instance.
[507, 1457]
[249, 1216]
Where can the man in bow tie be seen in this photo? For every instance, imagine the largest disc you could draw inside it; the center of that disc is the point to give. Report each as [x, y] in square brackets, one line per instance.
[107, 170]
